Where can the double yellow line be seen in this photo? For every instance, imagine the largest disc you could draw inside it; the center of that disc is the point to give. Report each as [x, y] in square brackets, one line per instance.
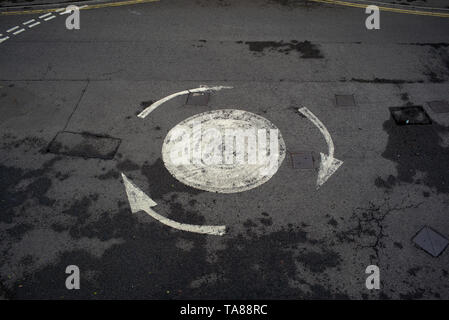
[90, 6]
[397, 10]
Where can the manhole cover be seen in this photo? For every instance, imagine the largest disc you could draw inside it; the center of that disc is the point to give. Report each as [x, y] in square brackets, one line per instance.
[345, 100]
[85, 145]
[198, 99]
[431, 241]
[439, 106]
[302, 160]
[224, 151]
[412, 115]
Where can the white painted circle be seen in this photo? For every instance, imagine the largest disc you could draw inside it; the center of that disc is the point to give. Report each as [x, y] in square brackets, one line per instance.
[191, 139]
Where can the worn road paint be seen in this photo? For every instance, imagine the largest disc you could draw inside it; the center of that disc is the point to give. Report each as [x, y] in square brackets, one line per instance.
[30, 24]
[152, 107]
[12, 29]
[34, 24]
[85, 7]
[44, 15]
[204, 171]
[390, 9]
[138, 201]
[328, 164]
[18, 31]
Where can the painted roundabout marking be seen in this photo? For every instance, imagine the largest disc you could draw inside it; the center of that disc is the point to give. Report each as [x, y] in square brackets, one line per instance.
[213, 163]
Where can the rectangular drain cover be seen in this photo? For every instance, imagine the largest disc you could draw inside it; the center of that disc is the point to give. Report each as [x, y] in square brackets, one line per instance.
[85, 145]
[302, 160]
[410, 115]
[439, 106]
[431, 241]
[345, 100]
[198, 99]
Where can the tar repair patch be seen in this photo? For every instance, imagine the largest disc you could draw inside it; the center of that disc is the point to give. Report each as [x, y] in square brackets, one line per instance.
[84, 145]
[224, 151]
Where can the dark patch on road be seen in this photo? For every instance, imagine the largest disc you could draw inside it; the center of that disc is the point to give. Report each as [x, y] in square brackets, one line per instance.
[333, 222]
[398, 245]
[389, 183]
[248, 223]
[386, 81]
[261, 267]
[149, 264]
[145, 104]
[127, 165]
[413, 295]
[19, 185]
[161, 182]
[86, 145]
[266, 221]
[307, 49]
[413, 271]
[111, 174]
[181, 215]
[79, 208]
[19, 230]
[405, 97]
[318, 262]
[433, 77]
[27, 143]
[418, 149]
[437, 45]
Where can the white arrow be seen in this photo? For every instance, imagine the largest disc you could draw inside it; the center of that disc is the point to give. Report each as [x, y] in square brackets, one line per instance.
[153, 106]
[138, 201]
[328, 164]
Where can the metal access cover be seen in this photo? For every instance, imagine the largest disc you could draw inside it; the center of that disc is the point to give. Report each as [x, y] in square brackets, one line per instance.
[439, 106]
[431, 241]
[410, 115]
[85, 145]
[198, 98]
[344, 100]
[302, 160]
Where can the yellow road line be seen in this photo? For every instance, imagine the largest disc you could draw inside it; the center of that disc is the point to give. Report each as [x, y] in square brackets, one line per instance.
[92, 6]
[397, 10]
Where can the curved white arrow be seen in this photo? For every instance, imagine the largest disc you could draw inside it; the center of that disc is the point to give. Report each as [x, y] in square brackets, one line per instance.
[328, 164]
[153, 106]
[138, 201]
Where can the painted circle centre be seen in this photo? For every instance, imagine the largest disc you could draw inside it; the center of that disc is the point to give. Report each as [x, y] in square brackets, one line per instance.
[225, 151]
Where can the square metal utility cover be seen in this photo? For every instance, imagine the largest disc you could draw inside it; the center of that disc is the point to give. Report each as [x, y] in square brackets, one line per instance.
[302, 160]
[431, 241]
[439, 106]
[410, 115]
[198, 98]
[85, 145]
[345, 100]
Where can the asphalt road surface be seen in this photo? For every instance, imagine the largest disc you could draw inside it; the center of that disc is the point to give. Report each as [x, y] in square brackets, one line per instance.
[63, 202]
